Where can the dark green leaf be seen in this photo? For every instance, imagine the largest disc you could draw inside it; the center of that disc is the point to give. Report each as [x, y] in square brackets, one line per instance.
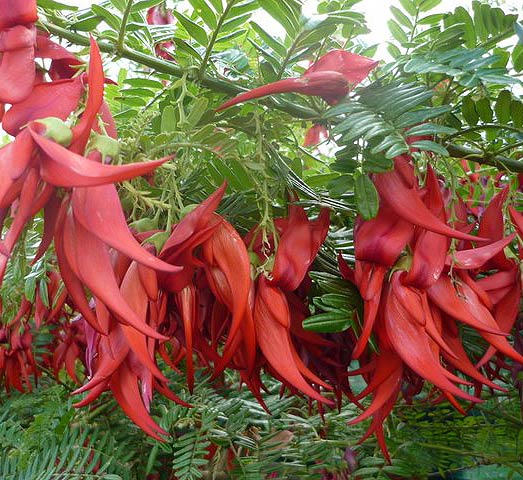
[516, 113]
[327, 322]
[484, 109]
[367, 199]
[502, 106]
[468, 110]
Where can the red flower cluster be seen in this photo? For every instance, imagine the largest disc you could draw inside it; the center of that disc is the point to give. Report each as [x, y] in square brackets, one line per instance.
[418, 286]
[47, 168]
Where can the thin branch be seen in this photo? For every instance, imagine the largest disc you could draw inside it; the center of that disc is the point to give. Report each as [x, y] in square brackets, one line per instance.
[209, 48]
[163, 66]
[485, 126]
[505, 163]
[121, 34]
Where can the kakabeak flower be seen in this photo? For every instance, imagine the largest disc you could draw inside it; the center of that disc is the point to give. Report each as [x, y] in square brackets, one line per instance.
[331, 77]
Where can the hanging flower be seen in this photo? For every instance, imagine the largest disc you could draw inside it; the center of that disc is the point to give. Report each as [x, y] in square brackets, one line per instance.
[332, 77]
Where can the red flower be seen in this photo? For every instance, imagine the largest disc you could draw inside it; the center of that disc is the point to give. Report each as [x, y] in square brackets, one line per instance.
[315, 134]
[17, 71]
[331, 78]
[159, 15]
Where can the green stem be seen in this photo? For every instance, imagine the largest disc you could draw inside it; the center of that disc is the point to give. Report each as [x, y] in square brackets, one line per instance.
[287, 57]
[509, 147]
[487, 44]
[485, 126]
[499, 161]
[163, 66]
[208, 51]
[121, 34]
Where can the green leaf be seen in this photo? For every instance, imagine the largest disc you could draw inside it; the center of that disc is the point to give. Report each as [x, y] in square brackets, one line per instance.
[327, 322]
[430, 129]
[517, 57]
[143, 83]
[230, 36]
[484, 109]
[367, 198]
[427, 145]
[192, 28]
[87, 24]
[269, 39]
[54, 5]
[186, 47]
[518, 28]
[433, 19]
[112, 20]
[409, 7]
[393, 50]
[426, 5]
[420, 115]
[234, 23]
[217, 4]
[502, 106]
[479, 23]
[516, 113]
[144, 4]
[283, 14]
[168, 123]
[463, 16]
[401, 17]
[204, 12]
[397, 32]
[468, 110]
[376, 163]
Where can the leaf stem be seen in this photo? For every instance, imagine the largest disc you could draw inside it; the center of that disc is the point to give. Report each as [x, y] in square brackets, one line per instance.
[215, 33]
[121, 34]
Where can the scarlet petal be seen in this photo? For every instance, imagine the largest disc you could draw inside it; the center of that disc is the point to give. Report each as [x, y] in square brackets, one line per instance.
[82, 131]
[53, 99]
[353, 67]
[17, 72]
[64, 168]
[18, 12]
[298, 247]
[270, 314]
[407, 204]
[99, 210]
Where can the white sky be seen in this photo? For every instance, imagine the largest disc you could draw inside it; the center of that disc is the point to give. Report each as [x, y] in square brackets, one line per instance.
[377, 12]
